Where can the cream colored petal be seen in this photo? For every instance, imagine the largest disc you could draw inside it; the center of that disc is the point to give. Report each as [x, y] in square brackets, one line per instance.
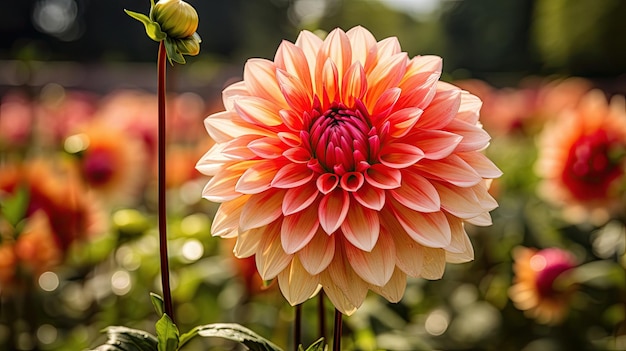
[292, 59]
[225, 126]
[482, 220]
[343, 278]
[260, 78]
[460, 249]
[270, 257]
[377, 265]
[296, 284]
[434, 263]
[318, 253]
[258, 178]
[481, 163]
[248, 242]
[451, 169]
[226, 221]
[362, 43]
[211, 162]
[393, 291]
[310, 44]
[416, 193]
[258, 111]
[232, 92]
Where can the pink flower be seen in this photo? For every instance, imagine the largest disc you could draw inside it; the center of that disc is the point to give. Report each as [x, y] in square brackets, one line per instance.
[581, 158]
[344, 164]
[535, 290]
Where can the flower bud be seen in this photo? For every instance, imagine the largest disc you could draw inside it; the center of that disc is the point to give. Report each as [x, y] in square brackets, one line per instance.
[177, 18]
[190, 45]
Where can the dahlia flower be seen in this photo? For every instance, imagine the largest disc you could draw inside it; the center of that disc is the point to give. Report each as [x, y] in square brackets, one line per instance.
[581, 158]
[534, 290]
[348, 165]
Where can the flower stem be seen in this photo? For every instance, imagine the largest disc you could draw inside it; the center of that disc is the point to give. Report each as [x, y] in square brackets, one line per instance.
[337, 331]
[165, 271]
[297, 328]
[321, 315]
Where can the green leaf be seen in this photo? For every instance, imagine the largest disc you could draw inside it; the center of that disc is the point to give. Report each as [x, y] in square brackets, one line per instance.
[13, 208]
[316, 346]
[153, 29]
[172, 52]
[167, 334]
[127, 339]
[157, 302]
[231, 331]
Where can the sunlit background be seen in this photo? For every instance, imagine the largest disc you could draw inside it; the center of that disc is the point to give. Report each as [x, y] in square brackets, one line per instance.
[78, 140]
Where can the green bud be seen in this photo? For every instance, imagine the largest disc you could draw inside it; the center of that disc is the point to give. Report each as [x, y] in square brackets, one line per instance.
[177, 18]
[190, 45]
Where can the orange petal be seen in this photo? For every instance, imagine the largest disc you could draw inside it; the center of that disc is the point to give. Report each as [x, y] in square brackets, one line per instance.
[370, 196]
[474, 137]
[291, 58]
[409, 256]
[258, 178]
[418, 90]
[383, 177]
[333, 210]
[221, 187]
[270, 257]
[296, 284]
[354, 85]
[232, 92]
[451, 169]
[402, 121]
[428, 229]
[292, 175]
[258, 111]
[298, 229]
[337, 47]
[228, 125]
[417, 193]
[299, 198]
[296, 94]
[436, 144]
[441, 110]
[268, 148]
[481, 164]
[260, 78]
[261, 209]
[383, 106]
[318, 253]
[362, 42]
[377, 265]
[400, 155]
[310, 44]
[387, 73]
[248, 242]
[342, 285]
[361, 227]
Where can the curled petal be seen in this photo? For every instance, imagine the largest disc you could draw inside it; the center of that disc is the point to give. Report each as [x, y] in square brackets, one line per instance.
[298, 229]
[297, 155]
[292, 59]
[361, 227]
[327, 182]
[296, 284]
[261, 209]
[375, 266]
[270, 257]
[333, 210]
[402, 121]
[318, 253]
[460, 249]
[352, 181]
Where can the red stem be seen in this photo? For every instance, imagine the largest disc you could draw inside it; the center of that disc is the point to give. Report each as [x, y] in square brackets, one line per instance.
[297, 328]
[162, 213]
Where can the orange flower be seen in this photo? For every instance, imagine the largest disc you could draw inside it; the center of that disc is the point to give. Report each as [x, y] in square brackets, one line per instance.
[110, 161]
[345, 164]
[534, 290]
[36, 248]
[71, 213]
[581, 158]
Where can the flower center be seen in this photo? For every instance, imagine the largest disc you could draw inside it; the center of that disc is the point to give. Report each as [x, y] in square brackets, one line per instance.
[546, 277]
[98, 167]
[592, 165]
[342, 140]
